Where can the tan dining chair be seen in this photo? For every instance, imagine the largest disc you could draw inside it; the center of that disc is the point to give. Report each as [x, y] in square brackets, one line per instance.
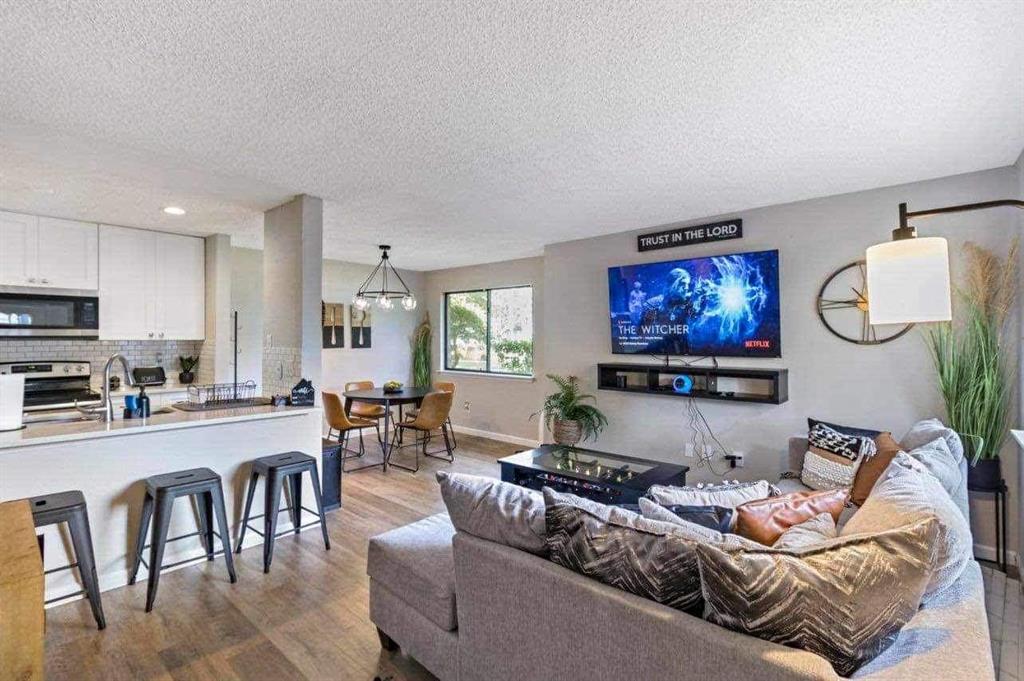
[366, 410]
[432, 415]
[445, 387]
[338, 420]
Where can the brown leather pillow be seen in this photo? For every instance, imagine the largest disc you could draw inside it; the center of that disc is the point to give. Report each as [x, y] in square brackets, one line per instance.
[871, 468]
[765, 520]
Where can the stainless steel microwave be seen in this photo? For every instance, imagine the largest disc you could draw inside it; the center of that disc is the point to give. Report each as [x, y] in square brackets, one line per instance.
[45, 315]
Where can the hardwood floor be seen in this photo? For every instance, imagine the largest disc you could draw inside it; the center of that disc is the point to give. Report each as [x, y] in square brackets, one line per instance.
[308, 618]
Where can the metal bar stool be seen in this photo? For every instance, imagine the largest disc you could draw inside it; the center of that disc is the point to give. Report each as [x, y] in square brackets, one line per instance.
[70, 508]
[278, 468]
[161, 491]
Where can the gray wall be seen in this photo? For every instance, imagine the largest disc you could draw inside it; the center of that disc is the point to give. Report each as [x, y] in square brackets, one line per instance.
[247, 299]
[888, 386]
[498, 405]
[390, 355]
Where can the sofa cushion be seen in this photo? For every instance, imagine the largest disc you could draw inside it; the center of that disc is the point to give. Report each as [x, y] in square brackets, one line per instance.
[905, 493]
[923, 432]
[494, 510]
[649, 558]
[728, 494]
[765, 520]
[718, 518]
[886, 449]
[817, 530]
[845, 600]
[415, 563]
[944, 467]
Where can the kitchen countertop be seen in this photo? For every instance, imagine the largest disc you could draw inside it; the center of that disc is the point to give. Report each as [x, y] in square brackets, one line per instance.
[56, 432]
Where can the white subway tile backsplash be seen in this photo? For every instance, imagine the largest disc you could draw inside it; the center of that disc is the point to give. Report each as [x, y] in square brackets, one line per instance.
[138, 353]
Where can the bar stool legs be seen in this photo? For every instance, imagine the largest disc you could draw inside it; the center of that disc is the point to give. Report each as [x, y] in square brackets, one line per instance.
[278, 470]
[70, 508]
[157, 506]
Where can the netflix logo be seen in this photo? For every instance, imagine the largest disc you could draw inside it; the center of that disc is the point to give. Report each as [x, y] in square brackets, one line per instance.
[757, 344]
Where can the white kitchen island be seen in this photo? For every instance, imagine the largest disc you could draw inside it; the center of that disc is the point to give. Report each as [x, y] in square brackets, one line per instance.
[108, 463]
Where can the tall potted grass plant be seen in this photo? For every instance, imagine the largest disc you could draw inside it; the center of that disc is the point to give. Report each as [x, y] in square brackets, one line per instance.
[972, 361]
[421, 353]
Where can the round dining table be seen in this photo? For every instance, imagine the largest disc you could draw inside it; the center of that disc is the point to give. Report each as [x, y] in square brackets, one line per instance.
[386, 399]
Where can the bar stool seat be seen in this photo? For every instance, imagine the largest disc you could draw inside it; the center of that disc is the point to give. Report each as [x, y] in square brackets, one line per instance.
[276, 470]
[70, 507]
[161, 491]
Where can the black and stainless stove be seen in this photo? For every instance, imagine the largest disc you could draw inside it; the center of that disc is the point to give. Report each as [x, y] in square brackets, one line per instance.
[54, 385]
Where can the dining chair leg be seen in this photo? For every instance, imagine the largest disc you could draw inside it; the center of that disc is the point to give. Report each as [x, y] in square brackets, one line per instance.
[415, 448]
[451, 432]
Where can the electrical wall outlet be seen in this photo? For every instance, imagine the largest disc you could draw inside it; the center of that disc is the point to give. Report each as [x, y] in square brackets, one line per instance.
[466, 405]
[688, 450]
[737, 459]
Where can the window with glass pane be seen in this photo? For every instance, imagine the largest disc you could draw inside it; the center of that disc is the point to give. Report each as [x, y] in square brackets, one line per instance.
[490, 330]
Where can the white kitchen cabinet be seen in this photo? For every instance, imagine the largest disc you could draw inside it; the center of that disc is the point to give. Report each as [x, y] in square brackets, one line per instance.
[18, 243]
[67, 254]
[180, 287]
[47, 252]
[152, 285]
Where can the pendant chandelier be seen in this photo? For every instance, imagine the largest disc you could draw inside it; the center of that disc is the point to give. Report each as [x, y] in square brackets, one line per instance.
[384, 296]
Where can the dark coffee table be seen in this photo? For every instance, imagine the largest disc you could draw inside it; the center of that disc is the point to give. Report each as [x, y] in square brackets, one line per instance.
[607, 478]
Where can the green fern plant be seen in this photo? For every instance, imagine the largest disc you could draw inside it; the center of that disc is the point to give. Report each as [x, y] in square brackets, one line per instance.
[569, 404]
[421, 353]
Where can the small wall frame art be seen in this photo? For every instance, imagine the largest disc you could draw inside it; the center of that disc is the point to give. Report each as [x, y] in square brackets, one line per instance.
[360, 327]
[333, 321]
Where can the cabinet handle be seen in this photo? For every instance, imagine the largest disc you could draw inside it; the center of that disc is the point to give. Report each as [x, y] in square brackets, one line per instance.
[150, 334]
[161, 334]
[45, 281]
[31, 280]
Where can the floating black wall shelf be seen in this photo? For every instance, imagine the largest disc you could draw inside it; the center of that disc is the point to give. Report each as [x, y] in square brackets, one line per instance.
[731, 384]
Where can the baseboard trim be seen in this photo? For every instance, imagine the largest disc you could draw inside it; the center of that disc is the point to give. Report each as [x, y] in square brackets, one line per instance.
[988, 553]
[500, 437]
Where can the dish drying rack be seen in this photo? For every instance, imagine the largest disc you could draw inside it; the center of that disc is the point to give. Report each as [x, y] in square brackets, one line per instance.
[221, 396]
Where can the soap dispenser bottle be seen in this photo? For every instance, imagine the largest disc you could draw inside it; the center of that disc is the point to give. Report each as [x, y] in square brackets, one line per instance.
[143, 402]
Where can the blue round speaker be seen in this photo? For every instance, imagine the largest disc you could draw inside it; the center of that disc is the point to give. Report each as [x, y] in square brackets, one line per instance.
[682, 384]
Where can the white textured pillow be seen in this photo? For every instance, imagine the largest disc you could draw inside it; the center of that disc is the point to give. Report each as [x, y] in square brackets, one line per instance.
[905, 493]
[727, 494]
[923, 432]
[813, 532]
[940, 462]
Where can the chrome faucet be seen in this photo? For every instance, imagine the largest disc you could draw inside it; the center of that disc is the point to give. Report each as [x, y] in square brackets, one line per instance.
[106, 410]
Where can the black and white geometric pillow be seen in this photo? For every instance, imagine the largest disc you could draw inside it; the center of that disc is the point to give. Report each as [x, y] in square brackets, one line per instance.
[851, 447]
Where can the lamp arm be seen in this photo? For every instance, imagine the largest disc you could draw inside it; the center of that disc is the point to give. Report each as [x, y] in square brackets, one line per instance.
[905, 215]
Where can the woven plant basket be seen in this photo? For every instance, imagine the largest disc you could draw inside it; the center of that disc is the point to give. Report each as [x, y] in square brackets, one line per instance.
[567, 433]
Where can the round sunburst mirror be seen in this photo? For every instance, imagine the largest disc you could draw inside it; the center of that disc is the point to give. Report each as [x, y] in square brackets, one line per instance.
[843, 308]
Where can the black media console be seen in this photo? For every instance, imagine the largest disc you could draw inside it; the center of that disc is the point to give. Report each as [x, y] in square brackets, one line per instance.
[763, 386]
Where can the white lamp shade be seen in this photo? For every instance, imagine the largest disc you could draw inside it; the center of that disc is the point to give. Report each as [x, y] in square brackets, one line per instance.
[908, 281]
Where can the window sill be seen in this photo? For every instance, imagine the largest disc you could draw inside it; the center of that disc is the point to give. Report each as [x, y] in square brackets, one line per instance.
[485, 374]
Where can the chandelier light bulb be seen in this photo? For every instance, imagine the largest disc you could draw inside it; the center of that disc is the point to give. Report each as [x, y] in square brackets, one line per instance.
[385, 303]
[409, 302]
[361, 302]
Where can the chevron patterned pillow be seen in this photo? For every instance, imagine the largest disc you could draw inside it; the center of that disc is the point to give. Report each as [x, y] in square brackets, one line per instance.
[845, 600]
[649, 558]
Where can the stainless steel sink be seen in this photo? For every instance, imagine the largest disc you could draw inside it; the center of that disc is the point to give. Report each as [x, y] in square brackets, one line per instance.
[55, 417]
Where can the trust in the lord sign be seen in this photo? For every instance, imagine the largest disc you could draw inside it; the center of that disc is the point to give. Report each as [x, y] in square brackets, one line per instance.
[695, 234]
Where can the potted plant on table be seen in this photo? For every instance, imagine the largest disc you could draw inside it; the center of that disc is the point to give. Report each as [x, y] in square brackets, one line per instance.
[567, 415]
[972, 364]
[188, 363]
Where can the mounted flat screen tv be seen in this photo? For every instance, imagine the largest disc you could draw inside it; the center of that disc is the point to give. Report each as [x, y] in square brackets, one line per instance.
[721, 306]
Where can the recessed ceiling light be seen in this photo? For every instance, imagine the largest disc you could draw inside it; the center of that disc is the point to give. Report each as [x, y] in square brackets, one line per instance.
[174, 210]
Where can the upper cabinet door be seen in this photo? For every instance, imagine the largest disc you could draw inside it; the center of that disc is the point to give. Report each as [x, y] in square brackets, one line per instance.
[126, 280]
[180, 287]
[18, 255]
[67, 254]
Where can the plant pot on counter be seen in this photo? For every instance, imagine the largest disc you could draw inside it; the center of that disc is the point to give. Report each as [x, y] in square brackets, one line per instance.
[186, 377]
[986, 475]
[567, 433]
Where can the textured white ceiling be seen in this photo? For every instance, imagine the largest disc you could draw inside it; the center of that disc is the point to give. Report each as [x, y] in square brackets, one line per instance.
[465, 132]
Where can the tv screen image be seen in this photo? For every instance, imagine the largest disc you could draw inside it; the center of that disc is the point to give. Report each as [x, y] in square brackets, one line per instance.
[723, 306]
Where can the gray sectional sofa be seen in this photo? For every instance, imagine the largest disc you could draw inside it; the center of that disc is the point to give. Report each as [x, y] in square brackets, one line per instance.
[470, 609]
